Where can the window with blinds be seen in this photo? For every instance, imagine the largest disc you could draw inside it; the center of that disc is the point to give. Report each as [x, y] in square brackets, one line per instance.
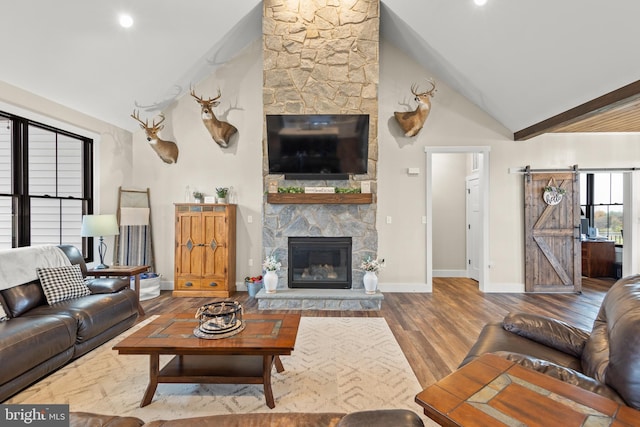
[6, 198]
[601, 200]
[44, 192]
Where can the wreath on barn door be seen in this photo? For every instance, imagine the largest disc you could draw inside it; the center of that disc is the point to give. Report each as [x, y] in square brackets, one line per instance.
[552, 194]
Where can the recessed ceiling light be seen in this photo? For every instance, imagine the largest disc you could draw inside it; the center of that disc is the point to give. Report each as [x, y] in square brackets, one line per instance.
[126, 20]
[480, 2]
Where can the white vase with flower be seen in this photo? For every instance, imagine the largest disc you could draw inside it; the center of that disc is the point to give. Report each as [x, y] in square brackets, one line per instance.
[371, 268]
[270, 279]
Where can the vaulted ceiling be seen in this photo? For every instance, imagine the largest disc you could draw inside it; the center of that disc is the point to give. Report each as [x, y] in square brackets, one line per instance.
[535, 66]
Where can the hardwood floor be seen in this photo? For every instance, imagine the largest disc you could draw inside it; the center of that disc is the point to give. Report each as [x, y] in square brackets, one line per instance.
[435, 331]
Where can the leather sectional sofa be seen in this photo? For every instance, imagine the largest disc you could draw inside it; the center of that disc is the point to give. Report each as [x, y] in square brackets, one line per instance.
[605, 361]
[376, 418]
[39, 338]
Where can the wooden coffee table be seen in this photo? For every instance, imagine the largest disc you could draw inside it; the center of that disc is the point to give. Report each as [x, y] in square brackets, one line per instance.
[492, 391]
[245, 358]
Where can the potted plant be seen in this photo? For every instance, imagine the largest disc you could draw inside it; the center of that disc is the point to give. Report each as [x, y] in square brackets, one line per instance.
[371, 268]
[270, 279]
[221, 194]
[198, 196]
[253, 284]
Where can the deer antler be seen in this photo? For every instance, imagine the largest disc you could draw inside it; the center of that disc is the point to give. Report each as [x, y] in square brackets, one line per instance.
[433, 87]
[414, 88]
[207, 101]
[136, 116]
[217, 97]
[157, 125]
[193, 93]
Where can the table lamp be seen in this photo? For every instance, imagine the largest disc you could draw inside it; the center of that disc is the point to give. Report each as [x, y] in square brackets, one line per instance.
[99, 226]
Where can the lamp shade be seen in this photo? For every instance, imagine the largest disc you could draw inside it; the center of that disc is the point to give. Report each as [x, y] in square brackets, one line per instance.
[99, 225]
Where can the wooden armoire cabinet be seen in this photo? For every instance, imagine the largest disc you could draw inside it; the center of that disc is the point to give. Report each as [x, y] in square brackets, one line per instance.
[205, 257]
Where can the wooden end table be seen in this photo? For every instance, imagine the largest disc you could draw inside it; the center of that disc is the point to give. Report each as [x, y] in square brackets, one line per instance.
[492, 391]
[245, 358]
[121, 271]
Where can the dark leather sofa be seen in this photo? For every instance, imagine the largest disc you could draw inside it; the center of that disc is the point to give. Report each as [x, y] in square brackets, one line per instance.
[39, 338]
[605, 360]
[376, 418]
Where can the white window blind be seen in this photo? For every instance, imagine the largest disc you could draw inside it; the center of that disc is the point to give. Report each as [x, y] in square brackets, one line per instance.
[6, 221]
[55, 170]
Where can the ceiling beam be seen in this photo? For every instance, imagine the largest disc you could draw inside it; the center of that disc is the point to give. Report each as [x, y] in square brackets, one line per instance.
[589, 109]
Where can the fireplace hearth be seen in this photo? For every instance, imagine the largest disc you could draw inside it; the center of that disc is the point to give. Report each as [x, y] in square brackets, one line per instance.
[319, 262]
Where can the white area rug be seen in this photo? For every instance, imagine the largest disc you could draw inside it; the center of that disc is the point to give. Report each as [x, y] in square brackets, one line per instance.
[338, 365]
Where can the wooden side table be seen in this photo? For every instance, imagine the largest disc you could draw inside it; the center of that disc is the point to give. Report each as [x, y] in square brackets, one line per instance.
[493, 391]
[121, 271]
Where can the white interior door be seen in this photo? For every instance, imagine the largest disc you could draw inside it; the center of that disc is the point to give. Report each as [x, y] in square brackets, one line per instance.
[473, 227]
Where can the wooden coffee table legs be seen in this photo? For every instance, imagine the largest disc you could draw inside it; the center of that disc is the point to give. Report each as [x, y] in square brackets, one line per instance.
[267, 364]
[188, 369]
[154, 370]
[279, 367]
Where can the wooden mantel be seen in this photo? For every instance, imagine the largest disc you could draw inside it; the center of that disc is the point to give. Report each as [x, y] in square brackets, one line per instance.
[328, 199]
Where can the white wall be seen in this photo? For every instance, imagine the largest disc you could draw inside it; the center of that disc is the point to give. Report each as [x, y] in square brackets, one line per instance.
[203, 165]
[453, 121]
[449, 214]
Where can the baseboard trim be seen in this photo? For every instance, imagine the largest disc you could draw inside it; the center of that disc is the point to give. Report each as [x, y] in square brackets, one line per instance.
[400, 287]
[166, 285]
[450, 273]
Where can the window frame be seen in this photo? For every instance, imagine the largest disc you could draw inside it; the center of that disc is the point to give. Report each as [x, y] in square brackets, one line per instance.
[590, 207]
[21, 198]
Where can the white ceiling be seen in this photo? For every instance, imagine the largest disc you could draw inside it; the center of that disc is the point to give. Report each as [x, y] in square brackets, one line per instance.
[522, 61]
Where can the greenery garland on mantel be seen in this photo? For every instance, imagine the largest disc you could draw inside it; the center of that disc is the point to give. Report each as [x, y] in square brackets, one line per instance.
[300, 190]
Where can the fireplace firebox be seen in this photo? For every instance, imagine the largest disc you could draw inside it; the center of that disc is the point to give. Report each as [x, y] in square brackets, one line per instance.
[320, 262]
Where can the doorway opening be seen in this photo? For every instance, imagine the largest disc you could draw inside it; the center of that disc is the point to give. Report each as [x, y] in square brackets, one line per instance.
[480, 169]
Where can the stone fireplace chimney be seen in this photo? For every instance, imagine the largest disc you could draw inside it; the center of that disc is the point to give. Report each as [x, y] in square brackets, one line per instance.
[321, 57]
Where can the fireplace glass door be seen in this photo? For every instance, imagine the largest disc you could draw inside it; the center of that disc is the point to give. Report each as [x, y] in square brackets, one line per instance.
[320, 262]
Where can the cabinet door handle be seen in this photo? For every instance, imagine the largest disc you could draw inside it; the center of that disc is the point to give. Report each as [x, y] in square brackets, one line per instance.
[213, 284]
[188, 284]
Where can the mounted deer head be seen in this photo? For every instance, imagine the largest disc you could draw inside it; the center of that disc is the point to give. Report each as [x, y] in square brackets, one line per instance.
[220, 131]
[412, 121]
[166, 150]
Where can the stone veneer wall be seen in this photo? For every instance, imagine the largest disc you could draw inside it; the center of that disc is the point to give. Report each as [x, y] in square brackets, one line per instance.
[321, 57]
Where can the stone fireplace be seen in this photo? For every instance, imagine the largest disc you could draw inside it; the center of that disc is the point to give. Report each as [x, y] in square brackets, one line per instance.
[357, 222]
[321, 58]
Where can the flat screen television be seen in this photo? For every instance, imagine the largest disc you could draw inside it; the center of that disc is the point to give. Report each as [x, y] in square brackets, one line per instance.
[318, 146]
